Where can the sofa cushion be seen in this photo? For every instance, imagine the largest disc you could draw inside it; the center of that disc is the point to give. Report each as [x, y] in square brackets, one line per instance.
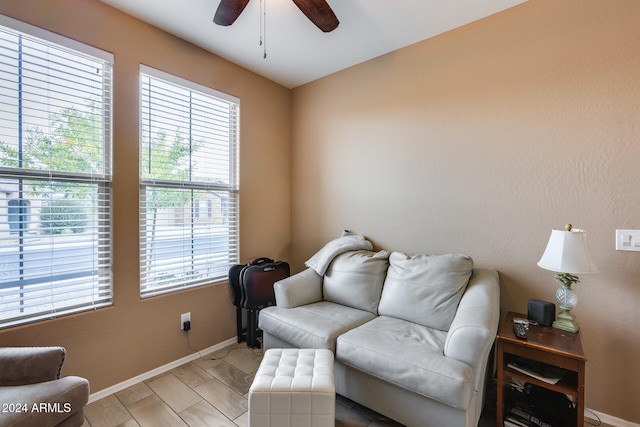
[425, 289]
[410, 356]
[355, 279]
[316, 325]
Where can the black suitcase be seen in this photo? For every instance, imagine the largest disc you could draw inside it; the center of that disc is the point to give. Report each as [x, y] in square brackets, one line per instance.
[236, 299]
[251, 290]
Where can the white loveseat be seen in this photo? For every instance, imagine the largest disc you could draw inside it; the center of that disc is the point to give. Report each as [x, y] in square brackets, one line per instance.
[411, 334]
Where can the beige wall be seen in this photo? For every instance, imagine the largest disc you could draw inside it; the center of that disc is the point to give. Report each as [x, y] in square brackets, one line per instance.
[134, 336]
[480, 141]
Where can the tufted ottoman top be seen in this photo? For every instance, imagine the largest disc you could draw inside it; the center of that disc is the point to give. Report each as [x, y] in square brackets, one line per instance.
[291, 370]
[293, 388]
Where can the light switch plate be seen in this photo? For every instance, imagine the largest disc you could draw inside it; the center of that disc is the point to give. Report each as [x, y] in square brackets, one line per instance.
[628, 240]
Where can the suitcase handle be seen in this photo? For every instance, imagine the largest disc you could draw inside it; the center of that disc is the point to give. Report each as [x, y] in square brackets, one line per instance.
[261, 260]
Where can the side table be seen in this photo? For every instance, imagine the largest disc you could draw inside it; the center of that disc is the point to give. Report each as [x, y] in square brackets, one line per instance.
[547, 345]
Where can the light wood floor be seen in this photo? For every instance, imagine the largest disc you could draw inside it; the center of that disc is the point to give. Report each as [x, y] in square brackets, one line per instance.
[212, 392]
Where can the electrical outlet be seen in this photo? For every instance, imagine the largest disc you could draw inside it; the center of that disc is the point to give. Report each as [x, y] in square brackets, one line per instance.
[184, 317]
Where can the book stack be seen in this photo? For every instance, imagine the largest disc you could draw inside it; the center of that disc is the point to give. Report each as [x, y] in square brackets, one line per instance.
[529, 405]
[523, 416]
[536, 407]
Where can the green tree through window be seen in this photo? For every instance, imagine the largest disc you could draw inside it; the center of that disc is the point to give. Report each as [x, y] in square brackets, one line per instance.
[189, 183]
[55, 175]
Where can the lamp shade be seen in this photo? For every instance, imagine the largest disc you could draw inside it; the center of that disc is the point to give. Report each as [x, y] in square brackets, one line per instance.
[567, 252]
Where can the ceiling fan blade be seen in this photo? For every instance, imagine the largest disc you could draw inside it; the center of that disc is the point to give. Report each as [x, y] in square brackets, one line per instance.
[319, 12]
[228, 11]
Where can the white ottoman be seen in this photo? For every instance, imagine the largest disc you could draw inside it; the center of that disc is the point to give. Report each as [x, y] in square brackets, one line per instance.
[293, 388]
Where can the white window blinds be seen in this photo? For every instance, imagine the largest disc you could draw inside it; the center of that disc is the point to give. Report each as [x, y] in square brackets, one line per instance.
[55, 172]
[189, 183]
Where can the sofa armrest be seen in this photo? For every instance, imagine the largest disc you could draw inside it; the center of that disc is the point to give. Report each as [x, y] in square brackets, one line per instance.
[30, 365]
[300, 289]
[474, 327]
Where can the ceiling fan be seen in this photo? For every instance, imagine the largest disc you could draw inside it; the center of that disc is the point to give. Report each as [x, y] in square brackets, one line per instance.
[318, 11]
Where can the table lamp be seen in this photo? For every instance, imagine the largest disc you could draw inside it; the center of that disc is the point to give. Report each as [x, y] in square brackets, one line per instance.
[567, 255]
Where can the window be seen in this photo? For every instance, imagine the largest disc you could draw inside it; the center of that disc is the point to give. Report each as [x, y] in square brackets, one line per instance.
[55, 172]
[189, 183]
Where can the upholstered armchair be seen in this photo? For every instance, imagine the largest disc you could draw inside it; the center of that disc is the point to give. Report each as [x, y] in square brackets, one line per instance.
[32, 394]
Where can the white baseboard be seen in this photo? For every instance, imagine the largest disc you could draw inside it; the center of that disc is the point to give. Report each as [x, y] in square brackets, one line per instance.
[157, 371]
[608, 419]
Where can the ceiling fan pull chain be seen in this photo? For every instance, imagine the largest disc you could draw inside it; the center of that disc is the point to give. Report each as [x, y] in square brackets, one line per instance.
[261, 22]
[263, 26]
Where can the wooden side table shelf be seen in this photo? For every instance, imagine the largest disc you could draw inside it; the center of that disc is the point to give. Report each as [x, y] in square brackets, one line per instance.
[547, 345]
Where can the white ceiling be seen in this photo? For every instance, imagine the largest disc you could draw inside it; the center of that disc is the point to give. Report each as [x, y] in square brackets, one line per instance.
[297, 51]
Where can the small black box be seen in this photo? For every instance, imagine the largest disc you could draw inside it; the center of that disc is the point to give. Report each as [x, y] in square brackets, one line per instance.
[543, 312]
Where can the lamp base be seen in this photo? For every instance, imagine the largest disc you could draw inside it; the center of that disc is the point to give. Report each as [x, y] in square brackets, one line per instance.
[566, 321]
